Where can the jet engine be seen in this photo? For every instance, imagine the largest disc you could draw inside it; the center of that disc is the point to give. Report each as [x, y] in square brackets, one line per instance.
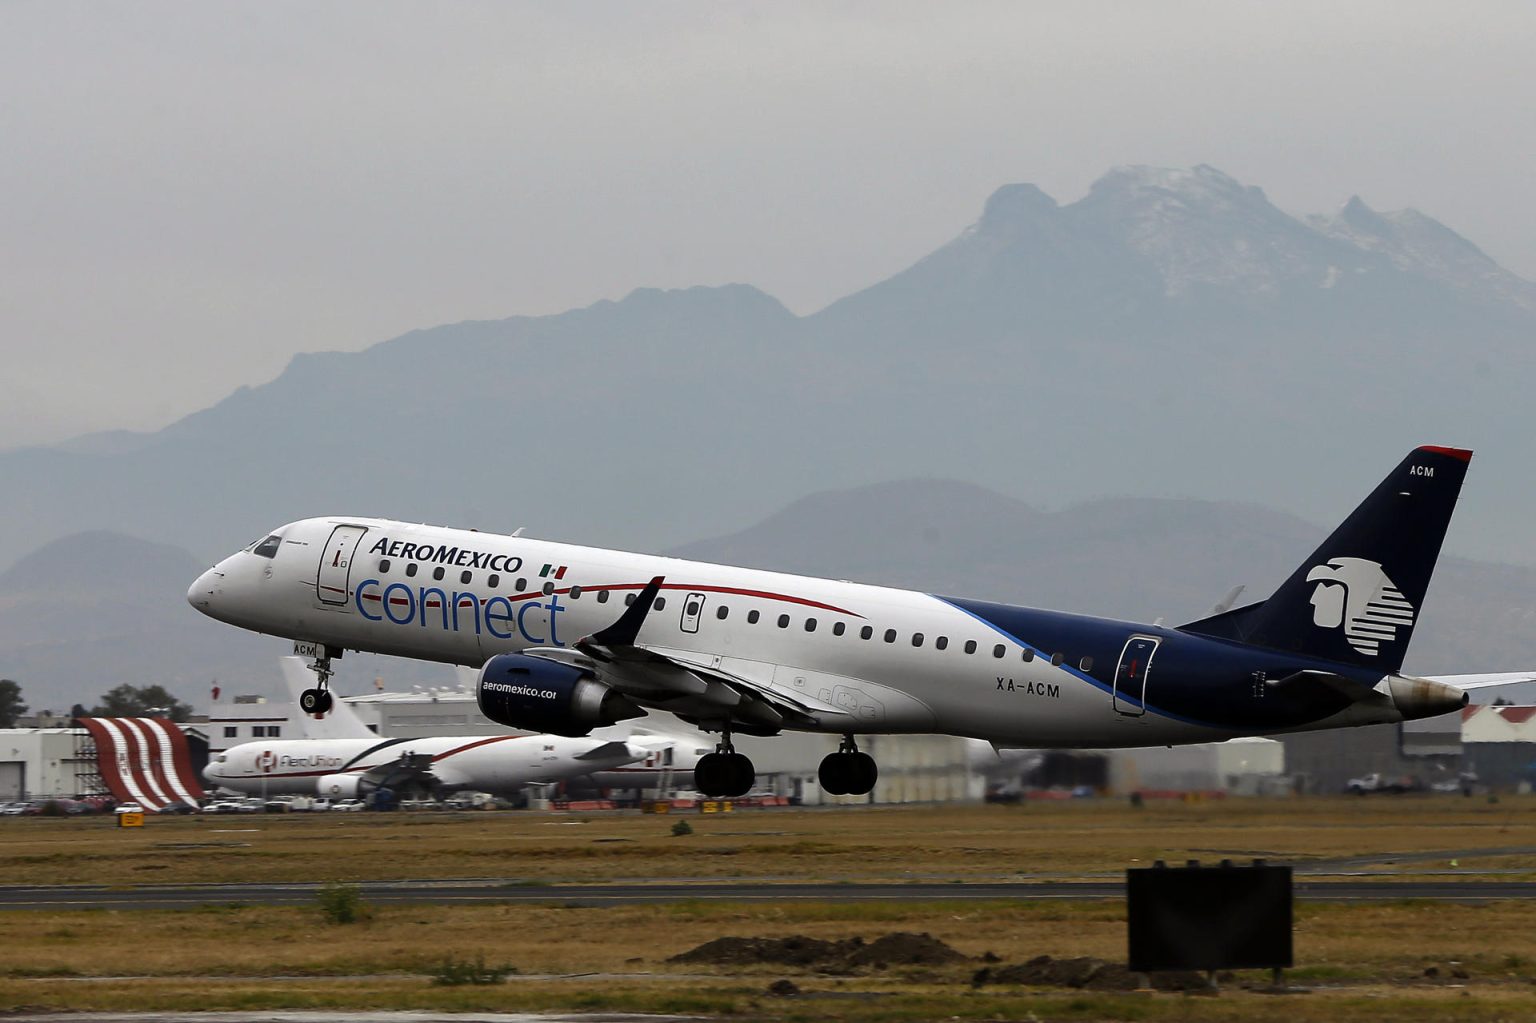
[542, 696]
[340, 786]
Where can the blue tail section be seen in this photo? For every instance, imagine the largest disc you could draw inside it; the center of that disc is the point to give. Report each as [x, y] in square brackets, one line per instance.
[1357, 598]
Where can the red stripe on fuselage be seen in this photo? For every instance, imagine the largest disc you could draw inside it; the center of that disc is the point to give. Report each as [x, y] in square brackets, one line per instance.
[732, 590]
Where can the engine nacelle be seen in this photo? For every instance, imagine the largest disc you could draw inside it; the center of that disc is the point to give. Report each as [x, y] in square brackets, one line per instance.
[542, 696]
[340, 786]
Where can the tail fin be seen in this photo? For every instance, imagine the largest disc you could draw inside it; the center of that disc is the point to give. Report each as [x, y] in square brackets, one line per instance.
[1356, 599]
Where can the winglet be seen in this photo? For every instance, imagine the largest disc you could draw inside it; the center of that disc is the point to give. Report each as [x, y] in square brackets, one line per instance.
[624, 631]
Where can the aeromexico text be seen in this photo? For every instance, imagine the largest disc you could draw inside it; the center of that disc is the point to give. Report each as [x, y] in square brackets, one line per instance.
[442, 554]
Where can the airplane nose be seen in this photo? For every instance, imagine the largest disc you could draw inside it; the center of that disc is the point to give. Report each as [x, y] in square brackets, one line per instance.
[202, 591]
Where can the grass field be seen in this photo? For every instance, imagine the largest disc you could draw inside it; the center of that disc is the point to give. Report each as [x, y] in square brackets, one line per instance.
[1364, 961]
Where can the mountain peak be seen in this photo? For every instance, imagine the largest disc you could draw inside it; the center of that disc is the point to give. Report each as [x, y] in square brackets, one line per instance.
[1423, 246]
[1015, 204]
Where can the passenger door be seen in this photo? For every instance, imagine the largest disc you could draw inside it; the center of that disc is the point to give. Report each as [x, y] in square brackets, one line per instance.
[1131, 675]
[333, 582]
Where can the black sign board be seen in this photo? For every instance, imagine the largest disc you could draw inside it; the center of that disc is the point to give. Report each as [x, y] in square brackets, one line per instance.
[1209, 918]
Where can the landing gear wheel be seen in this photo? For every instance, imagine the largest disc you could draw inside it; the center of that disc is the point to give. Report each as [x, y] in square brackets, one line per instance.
[848, 772]
[833, 774]
[309, 701]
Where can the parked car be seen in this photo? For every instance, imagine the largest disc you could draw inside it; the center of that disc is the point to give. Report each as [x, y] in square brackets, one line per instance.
[14, 809]
[348, 806]
[129, 808]
[177, 809]
[222, 806]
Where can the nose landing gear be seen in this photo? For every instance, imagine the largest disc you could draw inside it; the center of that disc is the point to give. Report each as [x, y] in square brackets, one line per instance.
[318, 701]
[724, 772]
[848, 772]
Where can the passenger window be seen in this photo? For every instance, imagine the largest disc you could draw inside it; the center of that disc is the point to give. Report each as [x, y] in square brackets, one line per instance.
[268, 547]
[810, 625]
[629, 598]
[752, 617]
[866, 632]
[661, 602]
[410, 568]
[838, 628]
[941, 643]
[602, 596]
[383, 564]
[493, 580]
[970, 646]
[465, 577]
[917, 639]
[1086, 664]
[520, 585]
[999, 650]
[693, 608]
[1029, 654]
[890, 635]
[438, 573]
[575, 592]
[1056, 660]
[722, 612]
[783, 621]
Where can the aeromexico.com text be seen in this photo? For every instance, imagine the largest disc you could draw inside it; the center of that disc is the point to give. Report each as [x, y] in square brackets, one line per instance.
[502, 687]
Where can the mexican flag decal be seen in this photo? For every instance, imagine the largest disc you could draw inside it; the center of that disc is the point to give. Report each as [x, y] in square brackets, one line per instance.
[552, 572]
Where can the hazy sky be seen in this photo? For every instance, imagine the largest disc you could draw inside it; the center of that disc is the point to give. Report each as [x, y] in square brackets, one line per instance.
[193, 192]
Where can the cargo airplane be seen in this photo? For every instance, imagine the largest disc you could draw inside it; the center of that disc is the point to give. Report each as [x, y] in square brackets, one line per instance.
[341, 758]
[568, 639]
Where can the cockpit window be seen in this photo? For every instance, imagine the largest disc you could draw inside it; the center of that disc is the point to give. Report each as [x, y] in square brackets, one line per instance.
[268, 547]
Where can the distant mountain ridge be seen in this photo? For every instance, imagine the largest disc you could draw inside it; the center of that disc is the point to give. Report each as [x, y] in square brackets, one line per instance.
[1171, 334]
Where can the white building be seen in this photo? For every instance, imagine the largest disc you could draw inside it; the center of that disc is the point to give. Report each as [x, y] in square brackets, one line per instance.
[38, 763]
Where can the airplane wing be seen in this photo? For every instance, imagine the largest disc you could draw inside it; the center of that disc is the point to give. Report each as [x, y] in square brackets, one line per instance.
[686, 684]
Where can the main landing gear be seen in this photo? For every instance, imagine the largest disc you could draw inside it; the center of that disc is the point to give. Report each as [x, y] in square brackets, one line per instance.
[318, 701]
[848, 772]
[724, 772]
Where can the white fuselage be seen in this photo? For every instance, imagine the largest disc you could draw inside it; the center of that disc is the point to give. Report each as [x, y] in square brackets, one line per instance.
[485, 763]
[874, 659]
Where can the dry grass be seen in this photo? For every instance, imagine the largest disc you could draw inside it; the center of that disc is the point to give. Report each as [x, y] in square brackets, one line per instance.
[1368, 959]
[1071, 839]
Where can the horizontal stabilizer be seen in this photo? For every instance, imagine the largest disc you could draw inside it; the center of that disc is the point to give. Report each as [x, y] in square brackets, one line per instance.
[1469, 682]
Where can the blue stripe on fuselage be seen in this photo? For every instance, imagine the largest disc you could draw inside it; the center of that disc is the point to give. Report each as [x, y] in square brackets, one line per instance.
[1008, 622]
[1196, 680]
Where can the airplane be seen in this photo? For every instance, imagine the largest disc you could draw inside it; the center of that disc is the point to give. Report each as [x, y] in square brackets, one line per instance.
[571, 638]
[666, 758]
[342, 758]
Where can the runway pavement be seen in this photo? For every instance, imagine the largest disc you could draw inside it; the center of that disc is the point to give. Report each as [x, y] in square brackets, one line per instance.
[36, 897]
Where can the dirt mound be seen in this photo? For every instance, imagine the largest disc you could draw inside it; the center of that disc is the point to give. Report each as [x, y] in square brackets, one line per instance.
[1086, 973]
[900, 949]
[905, 949]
